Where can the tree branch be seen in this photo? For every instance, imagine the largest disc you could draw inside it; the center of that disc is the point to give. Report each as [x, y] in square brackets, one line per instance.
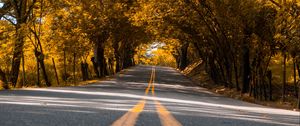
[4, 9]
[30, 8]
[275, 3]
[9, 20]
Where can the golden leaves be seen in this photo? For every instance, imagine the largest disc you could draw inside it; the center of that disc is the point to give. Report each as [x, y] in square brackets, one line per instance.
[287, 26]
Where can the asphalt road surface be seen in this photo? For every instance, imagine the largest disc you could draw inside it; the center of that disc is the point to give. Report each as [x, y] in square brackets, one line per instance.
[141, 96]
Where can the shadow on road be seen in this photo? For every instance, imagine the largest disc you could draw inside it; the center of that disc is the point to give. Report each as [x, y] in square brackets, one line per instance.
[108, 100]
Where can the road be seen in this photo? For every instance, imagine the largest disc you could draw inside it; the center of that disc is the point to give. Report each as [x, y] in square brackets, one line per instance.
[141, 96]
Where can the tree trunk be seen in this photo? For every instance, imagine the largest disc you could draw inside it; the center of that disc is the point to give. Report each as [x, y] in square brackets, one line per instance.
[117, 64]
[38, 72]
[299, 97]
[86, 65]
[17, 55]
[246, 68]
[21, 19]
[42, 63]
[214, 72]
[284, 76]
[269, 75]
[56, 75]
[3, 79]
[74, 68]
[183, 56]
[255, 87]
[23, 70]
[48, 83]
[111, 66]
[40, 58]
[106, 70]
[178, 62]
[228, 82]
[95, 66]
[65, 67]
[84, 71]
[117, 57]
[100, 58]
[128, 62]
[236, 75]
[295, 78]
[298, 69]
[265, 91]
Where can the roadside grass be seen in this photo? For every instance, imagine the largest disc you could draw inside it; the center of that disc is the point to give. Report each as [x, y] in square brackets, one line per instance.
[78, 83]
[63, 84]
[69, 83]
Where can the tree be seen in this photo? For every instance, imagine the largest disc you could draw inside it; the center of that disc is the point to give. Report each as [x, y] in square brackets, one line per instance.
[287, 35]
[17, 12]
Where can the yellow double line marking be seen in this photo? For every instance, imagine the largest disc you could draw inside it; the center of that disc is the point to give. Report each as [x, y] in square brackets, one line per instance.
[129, 119]
[131, 116]
[151, 82]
